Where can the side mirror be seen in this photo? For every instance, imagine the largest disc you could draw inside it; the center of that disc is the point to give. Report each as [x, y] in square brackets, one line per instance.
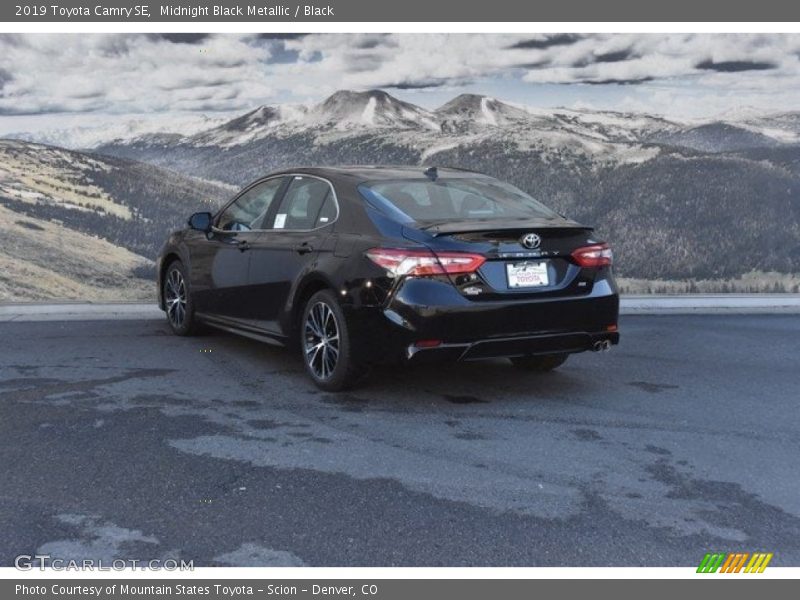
[201, 221]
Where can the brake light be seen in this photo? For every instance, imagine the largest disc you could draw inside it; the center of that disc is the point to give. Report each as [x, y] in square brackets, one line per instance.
[597, 255]
[419, 263]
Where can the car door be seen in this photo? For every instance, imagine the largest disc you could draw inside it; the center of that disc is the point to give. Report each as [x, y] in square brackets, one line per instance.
[223, 258]
[296, 231]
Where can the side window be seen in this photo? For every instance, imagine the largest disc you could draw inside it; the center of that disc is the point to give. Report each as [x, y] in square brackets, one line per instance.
[248, 210]
[307, 204]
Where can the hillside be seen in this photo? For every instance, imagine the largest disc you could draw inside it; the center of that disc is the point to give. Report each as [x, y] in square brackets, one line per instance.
[41, 260]
[84, 226]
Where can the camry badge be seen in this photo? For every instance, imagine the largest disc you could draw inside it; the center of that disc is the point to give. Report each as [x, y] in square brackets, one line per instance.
[531, 241]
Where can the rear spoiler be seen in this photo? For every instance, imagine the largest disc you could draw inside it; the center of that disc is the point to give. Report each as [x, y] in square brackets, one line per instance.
[520, 228]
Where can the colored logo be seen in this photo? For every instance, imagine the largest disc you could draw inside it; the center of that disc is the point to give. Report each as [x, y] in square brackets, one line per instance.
[735, 562]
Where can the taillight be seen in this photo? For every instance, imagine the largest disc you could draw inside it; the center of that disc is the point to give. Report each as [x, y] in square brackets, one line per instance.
[400, 261]
[597, 255]
[428, 343]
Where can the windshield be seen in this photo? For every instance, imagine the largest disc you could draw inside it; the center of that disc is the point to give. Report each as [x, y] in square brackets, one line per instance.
[462, 199]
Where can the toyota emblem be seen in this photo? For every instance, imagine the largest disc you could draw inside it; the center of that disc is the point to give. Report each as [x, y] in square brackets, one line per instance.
[531, 241]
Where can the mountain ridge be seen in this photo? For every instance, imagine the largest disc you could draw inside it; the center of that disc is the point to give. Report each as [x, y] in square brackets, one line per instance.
[348, 111]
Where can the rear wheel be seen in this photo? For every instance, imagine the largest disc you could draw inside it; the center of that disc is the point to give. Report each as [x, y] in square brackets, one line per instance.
[177, 300]
[543, 363]
[326, 344]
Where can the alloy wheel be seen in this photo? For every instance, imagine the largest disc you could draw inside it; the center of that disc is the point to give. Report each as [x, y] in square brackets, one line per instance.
[175, 298]
[321, 340]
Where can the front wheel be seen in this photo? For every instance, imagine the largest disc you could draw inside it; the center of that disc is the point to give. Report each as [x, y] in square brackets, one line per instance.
[177, 300]
[542, 363]
[327, 345]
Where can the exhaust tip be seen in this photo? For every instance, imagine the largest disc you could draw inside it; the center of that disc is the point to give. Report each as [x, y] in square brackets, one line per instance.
[601, 346]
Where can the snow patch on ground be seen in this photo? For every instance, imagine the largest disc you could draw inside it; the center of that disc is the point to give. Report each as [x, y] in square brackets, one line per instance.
[255, 555]
[95, 538]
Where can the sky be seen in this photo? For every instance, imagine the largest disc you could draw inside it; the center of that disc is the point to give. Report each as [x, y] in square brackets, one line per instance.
[82, 78]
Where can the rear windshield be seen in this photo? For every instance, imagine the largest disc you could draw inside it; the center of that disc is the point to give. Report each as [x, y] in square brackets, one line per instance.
[452, 199]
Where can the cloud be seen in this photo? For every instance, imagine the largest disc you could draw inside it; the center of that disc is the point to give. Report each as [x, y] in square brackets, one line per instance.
[131, 73]
[377, 40]
[614, 56]
[280, 36]
[363, 61]
[618, 81]
[547, 41]
[181, 38]
[757, 63]
[735, 66]
[147, 73]
[415, 85]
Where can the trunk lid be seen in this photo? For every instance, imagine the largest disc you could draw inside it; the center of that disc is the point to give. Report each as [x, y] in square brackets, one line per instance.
[514, 269]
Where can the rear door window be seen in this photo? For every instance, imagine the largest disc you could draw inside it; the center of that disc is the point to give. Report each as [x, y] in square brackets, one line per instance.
[307, 204]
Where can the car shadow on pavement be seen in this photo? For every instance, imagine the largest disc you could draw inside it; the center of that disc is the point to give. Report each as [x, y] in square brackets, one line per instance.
[475, 382]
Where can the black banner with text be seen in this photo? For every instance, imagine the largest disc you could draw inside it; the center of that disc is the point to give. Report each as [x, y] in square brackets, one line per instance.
[408, 11]
[384, 589]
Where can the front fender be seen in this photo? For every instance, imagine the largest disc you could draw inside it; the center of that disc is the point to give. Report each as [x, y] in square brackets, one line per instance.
[174, 248]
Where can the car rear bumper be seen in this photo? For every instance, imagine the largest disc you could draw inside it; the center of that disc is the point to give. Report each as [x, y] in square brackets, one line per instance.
[452, 327]
[560, 343]
[565, 343]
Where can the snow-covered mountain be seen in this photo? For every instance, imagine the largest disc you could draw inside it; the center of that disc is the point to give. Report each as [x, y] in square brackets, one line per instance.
[784, 127]
[374, 108]
[250, 126]
[464, 118]
[717, 137]
[377, 116]
[104, 130]
[469, 111]
[374, 126]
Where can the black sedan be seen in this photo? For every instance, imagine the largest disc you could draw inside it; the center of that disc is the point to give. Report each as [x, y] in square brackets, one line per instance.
[364, 265]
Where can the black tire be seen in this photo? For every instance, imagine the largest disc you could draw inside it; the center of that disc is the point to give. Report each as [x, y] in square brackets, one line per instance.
[178, 300]
[326, 345]
[539, 364]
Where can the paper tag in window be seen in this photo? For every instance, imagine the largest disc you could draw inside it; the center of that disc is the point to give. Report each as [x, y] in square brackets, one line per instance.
[280, 221]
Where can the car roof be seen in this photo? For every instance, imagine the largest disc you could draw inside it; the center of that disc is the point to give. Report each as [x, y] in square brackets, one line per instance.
[359, 173]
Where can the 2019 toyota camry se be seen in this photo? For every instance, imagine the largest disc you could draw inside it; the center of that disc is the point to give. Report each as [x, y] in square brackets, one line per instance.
[361, 265]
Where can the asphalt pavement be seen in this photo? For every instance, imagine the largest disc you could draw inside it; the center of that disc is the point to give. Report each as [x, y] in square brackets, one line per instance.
[120, 440]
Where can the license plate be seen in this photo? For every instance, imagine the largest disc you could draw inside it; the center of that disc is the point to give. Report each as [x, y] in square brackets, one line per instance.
[527, 274]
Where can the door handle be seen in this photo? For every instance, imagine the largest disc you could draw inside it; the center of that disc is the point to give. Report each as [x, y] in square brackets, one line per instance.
[304, 248]
[243, 245]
